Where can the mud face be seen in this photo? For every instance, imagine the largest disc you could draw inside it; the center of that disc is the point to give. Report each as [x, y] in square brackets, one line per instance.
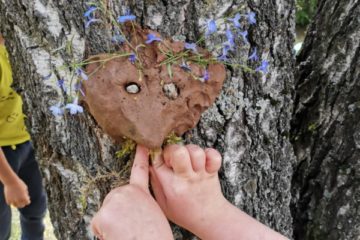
[148, 105]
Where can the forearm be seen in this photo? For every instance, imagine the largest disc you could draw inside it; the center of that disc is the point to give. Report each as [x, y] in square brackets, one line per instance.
[232, 223]
[7, 175]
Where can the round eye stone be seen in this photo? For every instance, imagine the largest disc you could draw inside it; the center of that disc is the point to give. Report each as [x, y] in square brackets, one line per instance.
[171, 91]
[132, 88]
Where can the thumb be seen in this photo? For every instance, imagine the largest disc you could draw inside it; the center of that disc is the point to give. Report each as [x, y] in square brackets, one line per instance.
[140, 169]
[159, 169]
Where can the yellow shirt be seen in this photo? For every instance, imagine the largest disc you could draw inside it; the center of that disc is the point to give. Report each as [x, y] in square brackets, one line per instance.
[12, 126]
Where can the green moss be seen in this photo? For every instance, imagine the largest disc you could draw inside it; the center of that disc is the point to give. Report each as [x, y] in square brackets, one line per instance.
[128, 147]
[172, 139]
[312, 127]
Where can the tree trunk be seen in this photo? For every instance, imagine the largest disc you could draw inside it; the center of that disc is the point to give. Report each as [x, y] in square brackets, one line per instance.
[249, 124]
[326, 127]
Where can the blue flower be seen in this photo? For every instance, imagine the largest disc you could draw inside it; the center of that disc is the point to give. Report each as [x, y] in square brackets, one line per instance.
[225, 51]
[211, 27]
[244, 35]
[90, 11]
[90, 21]
[81, 73]
[151, 37]
[253, 56]
[56, 110]
[61, 84]
[263, 67]
[206, 76]
[78, 87]
[236, 20]
[185, 67]
[132, 58]
[191, 46]
[126, 18]
[251, 17]
[74, 107]
[230, 37]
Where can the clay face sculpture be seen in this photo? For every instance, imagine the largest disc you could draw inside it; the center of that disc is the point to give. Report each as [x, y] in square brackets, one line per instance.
[144, 101]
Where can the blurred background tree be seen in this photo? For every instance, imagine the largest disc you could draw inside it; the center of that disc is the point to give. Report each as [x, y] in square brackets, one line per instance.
[305, 10]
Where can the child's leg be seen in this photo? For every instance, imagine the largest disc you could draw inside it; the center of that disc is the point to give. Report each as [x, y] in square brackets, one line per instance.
[5, 216]
[187, 188]
[32, 215]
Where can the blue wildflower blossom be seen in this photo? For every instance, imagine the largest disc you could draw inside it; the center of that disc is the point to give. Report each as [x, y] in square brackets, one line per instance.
[244, 35]
[74, 108]
[185, 67]
[90, 11]
[78, 87]
[91, 21]
[251, 17]
[56, 110]
[126, 18]
[132, 58]
[236, 20]
[79, 72]
[225, 51]
[263, 67]
[211, 27]
[206, 76]
[191, 46]
[151, 38]
[230, 38]
[254, 56]
[61, 84]
[89, 16]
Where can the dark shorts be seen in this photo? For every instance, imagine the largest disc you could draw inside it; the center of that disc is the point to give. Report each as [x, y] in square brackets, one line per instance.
[23, 162]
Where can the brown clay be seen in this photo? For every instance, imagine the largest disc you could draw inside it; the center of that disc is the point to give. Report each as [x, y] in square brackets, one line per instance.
[149, 115]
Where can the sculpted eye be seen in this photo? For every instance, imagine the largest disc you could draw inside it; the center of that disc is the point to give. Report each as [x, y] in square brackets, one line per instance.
[132, 88]
[171, 91]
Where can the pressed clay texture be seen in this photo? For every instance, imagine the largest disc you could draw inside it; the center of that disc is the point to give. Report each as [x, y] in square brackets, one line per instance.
[161, 103]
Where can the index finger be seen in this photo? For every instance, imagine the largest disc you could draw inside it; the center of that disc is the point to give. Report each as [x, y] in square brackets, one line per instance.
[140, 169]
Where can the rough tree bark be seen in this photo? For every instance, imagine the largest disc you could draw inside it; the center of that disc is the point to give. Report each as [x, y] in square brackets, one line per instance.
[326, 127]
[249, 124]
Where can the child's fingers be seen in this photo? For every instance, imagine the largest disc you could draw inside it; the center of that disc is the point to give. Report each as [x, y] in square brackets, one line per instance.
[140, 170]
[159, 168]
[157, 189]
[179, 159]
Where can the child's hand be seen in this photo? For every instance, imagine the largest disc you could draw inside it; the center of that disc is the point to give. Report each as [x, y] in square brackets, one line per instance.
[130, 212]
[187, 188]
[17, 194]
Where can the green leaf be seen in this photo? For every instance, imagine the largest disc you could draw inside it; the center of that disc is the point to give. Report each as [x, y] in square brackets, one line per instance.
[169, 69]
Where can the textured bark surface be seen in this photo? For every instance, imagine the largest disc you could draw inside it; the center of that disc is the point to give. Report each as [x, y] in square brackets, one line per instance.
[326, 126]
[249, 124]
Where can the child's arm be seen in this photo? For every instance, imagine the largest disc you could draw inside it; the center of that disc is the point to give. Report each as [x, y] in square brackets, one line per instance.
[15, 190]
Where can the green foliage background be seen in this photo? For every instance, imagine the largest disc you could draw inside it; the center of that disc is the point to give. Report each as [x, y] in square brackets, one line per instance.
[305, 10]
